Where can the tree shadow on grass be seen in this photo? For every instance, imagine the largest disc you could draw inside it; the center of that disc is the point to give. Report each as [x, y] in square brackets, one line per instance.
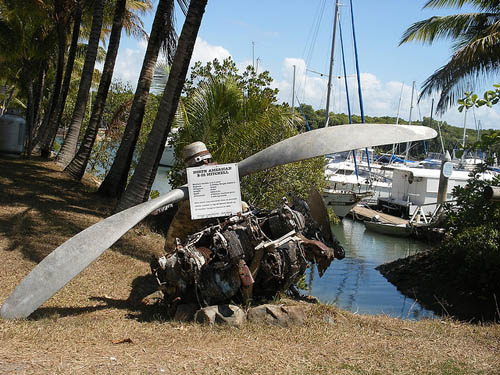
[41, 208]
[142, 286]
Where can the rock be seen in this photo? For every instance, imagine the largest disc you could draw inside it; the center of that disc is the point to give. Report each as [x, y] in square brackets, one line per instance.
[280, 315]
[185, 312]
[221, 314]
[153, 298]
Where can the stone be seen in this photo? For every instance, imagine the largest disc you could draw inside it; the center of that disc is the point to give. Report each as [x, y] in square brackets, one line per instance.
[221, 314]
[280, 315]
[153, 298]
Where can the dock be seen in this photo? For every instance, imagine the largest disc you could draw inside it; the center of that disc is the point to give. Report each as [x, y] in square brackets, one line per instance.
[365, 213]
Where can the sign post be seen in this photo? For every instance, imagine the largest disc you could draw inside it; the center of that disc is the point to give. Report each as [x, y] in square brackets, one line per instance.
[446, 172]
[214, 190]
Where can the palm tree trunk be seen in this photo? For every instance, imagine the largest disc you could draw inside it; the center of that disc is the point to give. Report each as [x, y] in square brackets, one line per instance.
[11, 95]
[77, 167]
[142, 180]
[68, 149]
[44, 147]
[40, 85]
[30, 116]
[56, 115]
[114, 183]
[61, 19]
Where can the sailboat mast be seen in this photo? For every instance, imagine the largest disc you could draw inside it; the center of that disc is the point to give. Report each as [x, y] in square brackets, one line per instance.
[409, 120]
[329, 89]
[397, 118]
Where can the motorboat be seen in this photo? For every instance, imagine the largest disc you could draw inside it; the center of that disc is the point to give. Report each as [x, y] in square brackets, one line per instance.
[400, 230]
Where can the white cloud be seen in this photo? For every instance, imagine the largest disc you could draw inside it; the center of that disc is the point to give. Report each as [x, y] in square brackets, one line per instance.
[129, 63]
[205, 52]
[379, 98]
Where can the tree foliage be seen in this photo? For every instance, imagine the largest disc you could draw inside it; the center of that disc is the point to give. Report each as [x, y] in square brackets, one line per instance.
[475, 37]
[472, 246]
[113, 123]
[489, 141]
[236, 115]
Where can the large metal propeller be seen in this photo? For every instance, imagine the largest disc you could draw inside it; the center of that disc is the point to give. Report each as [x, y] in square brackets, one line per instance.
[73, 256]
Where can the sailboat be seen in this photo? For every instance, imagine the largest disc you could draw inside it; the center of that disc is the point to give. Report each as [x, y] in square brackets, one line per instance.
[341, 194]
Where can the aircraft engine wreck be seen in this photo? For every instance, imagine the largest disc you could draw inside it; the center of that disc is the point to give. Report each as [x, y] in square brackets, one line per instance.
[248, 257]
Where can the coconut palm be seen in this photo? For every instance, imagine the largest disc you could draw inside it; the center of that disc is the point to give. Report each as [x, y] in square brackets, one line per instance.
[27, 40]
[162, 34]
[140, 185]
[132, 24]
[76, 168]
[54, 115]
[68, 149]
[476, 46]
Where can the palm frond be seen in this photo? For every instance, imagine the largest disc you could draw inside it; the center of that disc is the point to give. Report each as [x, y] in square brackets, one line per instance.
[447, 27]
[486, 5]
[160, 78]
[184, 5]
[477, 59]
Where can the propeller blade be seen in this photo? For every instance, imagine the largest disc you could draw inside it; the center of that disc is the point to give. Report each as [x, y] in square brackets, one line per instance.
[319, 213]
[73, 256]
[329, 140]
[76, 254]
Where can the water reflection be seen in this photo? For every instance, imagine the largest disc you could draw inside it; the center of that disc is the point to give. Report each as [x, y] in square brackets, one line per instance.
[161, 182]
[355, 285]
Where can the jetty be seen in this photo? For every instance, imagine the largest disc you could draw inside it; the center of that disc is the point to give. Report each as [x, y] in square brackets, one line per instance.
[363, 213]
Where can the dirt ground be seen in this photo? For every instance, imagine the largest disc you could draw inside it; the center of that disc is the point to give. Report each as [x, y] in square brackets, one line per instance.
[97, 325]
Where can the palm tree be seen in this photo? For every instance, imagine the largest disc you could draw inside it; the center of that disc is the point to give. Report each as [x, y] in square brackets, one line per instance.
[26, 41]
[162, 33]
[142, 180]
[476, 46]
[77, 167]
[68, 149]
[48, 133]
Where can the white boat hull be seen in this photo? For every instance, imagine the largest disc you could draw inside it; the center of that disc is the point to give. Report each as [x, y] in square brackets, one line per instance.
[400, 230]
[342, 202]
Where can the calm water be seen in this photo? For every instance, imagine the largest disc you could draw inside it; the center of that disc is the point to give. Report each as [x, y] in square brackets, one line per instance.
[354, 284]
[161, 181]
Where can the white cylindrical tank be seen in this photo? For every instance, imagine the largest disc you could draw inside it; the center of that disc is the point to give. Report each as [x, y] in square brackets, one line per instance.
[12, 134]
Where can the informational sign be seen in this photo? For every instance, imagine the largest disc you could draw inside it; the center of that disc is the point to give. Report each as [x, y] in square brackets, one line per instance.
[214, 190]
[447, 169]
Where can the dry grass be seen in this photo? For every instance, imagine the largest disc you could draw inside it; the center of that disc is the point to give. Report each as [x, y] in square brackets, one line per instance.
[80, 330]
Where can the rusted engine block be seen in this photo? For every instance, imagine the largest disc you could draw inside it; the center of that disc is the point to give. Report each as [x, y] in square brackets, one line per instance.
[247, 257]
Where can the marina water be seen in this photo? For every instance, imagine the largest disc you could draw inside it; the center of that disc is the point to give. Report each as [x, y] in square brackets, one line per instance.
[354, 284]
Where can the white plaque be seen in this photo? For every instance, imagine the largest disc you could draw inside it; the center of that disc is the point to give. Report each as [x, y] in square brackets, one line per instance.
[447, 169]
[214, 190]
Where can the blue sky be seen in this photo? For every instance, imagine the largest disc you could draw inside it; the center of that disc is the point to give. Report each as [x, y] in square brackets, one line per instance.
[281, 34]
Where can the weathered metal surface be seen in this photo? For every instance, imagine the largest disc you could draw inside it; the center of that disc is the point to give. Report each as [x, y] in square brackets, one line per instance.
[278, 255]
[333, 139]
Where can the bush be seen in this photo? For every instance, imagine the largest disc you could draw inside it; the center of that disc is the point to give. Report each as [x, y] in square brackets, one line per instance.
[475, 256]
